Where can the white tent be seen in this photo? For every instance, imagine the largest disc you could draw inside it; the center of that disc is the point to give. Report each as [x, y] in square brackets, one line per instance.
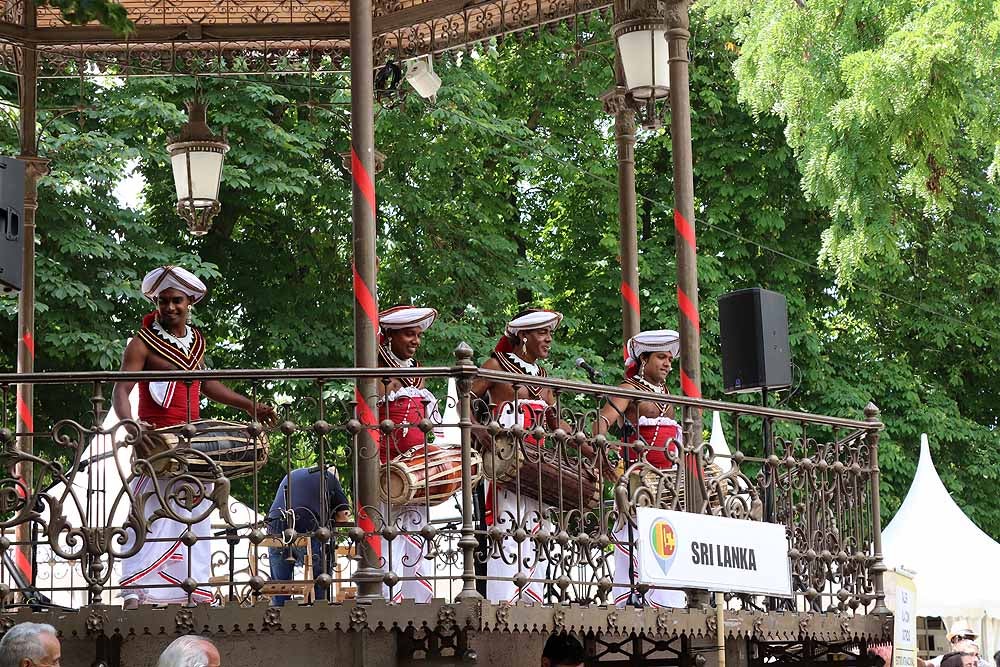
[954, 561]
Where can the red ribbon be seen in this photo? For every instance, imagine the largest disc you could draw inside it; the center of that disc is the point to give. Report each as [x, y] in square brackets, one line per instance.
[362, 179]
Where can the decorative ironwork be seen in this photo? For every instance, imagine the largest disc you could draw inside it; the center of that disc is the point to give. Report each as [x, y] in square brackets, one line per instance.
[90, 511]
[274, 36]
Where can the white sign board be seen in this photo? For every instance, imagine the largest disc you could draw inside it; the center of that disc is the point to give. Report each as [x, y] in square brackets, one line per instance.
[904, 641]
[685, 550]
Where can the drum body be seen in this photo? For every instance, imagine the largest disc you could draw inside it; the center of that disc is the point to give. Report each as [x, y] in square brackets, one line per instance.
[228, 445]
[542, 475]
[426, 474]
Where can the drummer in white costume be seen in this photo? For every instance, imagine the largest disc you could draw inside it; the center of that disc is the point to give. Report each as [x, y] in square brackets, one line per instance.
[167, 342]
[406, 402]
[649, 357]
[526, 340]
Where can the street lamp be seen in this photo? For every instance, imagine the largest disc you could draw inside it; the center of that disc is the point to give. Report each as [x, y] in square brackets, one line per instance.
[196, 156]
[640, 30]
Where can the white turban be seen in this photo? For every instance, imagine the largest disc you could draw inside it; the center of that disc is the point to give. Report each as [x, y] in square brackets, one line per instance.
[659, 340]
[404, 317]
[539, 319]
[173, 277]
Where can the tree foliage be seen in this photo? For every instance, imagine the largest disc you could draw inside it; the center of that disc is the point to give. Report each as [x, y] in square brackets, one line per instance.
[503, 192]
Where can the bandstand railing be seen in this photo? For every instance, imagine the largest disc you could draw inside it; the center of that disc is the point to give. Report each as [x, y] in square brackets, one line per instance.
[76, 509]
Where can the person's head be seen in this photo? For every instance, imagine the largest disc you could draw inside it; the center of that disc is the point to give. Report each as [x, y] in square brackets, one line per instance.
[996, 659]
[656, 366]
[651, 354]
[562, 650]
[956, 659]
[30, 645]
[530, 333]
[403, 328]
[190, 651]
[966, 646]
[174, 290]
[404, 343]
[172, 308]
[961, 631]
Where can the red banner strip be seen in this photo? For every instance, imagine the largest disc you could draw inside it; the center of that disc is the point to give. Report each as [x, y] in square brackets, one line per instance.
[29, 343]
[23, 564]
[684, 228]
[688, 387]
[362, 179]
[630, 297]
[25, 414]
[688, 309]
[367, 417]
[365, 299]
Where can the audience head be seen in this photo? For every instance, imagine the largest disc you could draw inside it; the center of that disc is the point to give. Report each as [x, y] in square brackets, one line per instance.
[959, 631]
[30, 645]
[562, 650]
[190, 651]
[957, 659]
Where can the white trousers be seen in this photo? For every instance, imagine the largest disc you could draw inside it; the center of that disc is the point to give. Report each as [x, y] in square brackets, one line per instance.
[508, 514]
[627, 572]
[405, 557]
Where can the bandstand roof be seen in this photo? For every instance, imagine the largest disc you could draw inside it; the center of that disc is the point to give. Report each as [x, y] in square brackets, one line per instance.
[188, 36]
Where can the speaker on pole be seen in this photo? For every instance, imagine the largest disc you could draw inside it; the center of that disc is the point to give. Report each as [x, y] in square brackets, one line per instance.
[753, 327]
[11, 219]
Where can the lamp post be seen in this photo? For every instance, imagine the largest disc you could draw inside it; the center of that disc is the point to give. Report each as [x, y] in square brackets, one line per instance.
[652, 39]
[196, 157]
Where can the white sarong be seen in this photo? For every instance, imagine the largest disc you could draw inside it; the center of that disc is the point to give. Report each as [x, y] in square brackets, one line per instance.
[405, 558]
[163, 560]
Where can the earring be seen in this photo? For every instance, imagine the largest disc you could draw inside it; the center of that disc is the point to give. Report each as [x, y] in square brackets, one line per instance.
[190, 310]
[642, 369]
[524, 344]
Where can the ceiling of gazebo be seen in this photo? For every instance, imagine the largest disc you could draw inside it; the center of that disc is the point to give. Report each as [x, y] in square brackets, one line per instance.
[184, 36]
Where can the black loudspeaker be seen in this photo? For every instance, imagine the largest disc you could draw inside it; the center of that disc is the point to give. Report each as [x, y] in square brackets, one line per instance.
[11, 219]
[753, 327]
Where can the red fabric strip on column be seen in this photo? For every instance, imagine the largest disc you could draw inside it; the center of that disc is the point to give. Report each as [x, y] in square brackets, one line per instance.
[25, 414]
[364, 297]
[688, 387]
[29, 343]
[684, 228]
[363, 180]
[688, 309]
[631, 298]
[365, 523]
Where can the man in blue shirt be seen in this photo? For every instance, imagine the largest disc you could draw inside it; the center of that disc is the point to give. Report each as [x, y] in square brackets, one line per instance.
[312, 507]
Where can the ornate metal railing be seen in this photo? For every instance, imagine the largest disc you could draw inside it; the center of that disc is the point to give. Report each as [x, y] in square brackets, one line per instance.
[83, 493]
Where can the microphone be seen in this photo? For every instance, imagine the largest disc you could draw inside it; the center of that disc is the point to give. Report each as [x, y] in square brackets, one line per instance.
[592, 372]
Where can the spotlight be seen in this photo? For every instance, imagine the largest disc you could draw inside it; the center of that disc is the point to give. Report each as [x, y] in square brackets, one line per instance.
[420, 74]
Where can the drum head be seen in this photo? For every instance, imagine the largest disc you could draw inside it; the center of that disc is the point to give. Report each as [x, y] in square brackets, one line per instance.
[398, 486]
[502, 459]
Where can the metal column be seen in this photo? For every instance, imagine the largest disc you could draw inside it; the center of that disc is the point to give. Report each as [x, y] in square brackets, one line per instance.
[687, 263]
[369, 574]
[619, 103]
[35, 168]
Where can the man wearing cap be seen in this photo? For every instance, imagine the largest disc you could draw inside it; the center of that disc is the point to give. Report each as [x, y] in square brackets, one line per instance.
[167, 342]
[649, 358]
[962, 639]
[406, 401]
[526, 340]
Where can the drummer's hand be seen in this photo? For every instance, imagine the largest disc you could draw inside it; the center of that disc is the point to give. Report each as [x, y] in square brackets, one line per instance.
[264, 413]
